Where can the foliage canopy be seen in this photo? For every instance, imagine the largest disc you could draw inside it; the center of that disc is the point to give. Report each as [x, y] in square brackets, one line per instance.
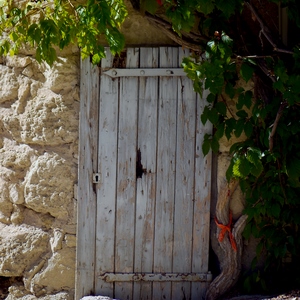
[239, 39]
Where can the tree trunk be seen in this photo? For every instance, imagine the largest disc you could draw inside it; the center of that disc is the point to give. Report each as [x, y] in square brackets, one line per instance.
[230, 259]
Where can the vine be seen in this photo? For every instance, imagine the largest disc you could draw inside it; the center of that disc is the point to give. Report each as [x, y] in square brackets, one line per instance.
[267, 161]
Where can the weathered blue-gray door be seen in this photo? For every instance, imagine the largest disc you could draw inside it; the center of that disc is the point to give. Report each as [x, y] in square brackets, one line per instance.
[143, 225]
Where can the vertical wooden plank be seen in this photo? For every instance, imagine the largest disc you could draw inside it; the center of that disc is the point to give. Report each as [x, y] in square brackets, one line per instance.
[107, 168]
[145, 197]
[126, 178]
[86, 205]
[163, 245]
[184, 191]
[202, 202]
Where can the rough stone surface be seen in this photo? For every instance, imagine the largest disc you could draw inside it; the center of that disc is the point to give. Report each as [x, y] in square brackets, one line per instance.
[57, 273]
[39, 113]
[9, 84]
[20, 248]
[48, 186]
[18, 292]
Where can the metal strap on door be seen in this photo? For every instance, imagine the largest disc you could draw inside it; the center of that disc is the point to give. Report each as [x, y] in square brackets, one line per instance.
[114, 73]
[162, 277]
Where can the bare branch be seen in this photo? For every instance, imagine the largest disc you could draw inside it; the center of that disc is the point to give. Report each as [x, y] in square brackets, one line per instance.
[227, 106]
[275, 124]
[265, 30]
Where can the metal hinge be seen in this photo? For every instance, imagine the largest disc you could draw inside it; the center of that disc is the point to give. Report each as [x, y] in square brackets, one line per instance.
[195, 277]
[144, 72]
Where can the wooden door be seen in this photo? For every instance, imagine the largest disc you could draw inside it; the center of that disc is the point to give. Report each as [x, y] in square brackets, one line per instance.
[143, 225]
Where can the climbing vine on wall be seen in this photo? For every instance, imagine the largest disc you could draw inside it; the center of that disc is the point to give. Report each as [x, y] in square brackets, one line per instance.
[232, 40]
[267, 161]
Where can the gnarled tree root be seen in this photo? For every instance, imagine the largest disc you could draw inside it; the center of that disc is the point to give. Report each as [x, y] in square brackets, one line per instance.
[230, 259]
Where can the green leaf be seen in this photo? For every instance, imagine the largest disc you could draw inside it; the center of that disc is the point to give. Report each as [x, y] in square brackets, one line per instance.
[239, 128]
[213, 116]
[246, 72]
[244, 167]
[226, 39]
[242, 114]
[150, 6]
[241, 101]
[213, 46]
[278, 85]
[230, 126]
[220, 131]
[248, 129]
[248, 99]
[275, 210]
[211, 98]
[281, 72]
[236, 168]
[293, 168]
[206, 145]
[229, 172]
[247, 231]
[244, 99]
[206, 6]
[215, 145]
[229, 90]
[226, 7]
[221, 108]
[204, 115]
[254, 156]
[257, 170]
[259, 248]
[96, 59]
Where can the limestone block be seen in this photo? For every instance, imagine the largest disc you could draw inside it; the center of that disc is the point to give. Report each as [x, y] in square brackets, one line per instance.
[63, 76]
[33, 218]
[6, 206]
[70, 240]
[34, 87]
[23, 93]
[16, 193]
[56, 240]
[17, 215]
[46, 120]
[20, 247]
[7, 174]
[18, 292]
[9, 84]
[15, 156]
[49, 186]
[35, 71]
[58, 274]
[18, 61]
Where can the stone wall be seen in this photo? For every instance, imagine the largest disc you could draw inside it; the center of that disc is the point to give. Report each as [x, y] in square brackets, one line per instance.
[39, 112]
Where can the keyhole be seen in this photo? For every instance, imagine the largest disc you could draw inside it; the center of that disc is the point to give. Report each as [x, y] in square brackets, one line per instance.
[96, 178]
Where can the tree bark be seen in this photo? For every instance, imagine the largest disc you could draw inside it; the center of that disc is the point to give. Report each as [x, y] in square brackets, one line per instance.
[230, 259]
